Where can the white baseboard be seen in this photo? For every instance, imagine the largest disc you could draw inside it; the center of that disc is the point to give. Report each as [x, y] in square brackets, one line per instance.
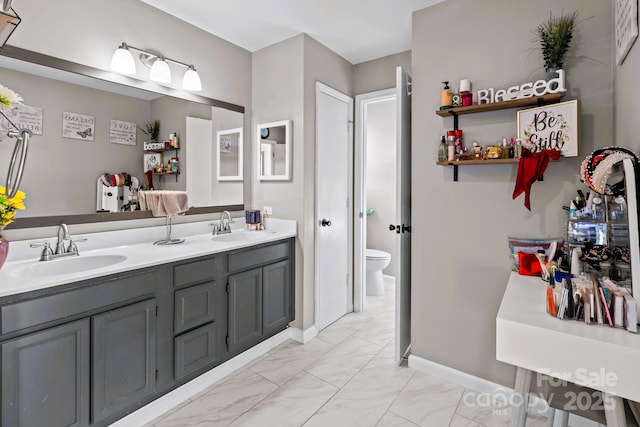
[389, 279]
[305, 336]
[167, 402]
[481, 385]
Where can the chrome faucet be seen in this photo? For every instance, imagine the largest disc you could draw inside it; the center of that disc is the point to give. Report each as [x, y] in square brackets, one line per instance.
[225, 226]
[61, 251]
[63, 234]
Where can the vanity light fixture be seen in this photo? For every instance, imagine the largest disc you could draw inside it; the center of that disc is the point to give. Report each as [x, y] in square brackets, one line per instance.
[123, 62]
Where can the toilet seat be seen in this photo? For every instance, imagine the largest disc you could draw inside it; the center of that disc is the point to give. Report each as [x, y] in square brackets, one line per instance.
[376, 254]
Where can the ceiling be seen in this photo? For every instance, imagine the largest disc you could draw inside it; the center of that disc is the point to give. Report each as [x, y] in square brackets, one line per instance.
[357, 30]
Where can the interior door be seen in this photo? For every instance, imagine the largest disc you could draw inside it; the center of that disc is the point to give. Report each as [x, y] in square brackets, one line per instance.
[403, 213]
[333, 213]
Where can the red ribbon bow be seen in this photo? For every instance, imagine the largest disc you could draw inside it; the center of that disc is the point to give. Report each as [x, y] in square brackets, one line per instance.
[530, 168]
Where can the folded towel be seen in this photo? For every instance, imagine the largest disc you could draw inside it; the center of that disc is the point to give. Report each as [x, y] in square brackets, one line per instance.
[164, 203]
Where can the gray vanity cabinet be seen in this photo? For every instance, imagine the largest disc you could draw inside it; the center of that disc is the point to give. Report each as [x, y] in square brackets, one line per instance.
[260, 293]
[198, 305]
[124, 358]
[45, 377]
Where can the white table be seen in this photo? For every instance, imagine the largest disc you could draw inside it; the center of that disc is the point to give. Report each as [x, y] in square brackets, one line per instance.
[596, 356]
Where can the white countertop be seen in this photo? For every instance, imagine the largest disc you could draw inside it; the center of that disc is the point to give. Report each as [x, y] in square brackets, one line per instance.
[138, 248]
[597, 356]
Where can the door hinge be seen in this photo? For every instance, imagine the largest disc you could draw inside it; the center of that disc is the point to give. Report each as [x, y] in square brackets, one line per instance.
[409, 84]
[227, 341]
[227, 288]
[157, 309]
[157, 374]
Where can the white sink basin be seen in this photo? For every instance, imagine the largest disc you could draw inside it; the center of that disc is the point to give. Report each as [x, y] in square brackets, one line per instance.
[71, 265]
[240, 236]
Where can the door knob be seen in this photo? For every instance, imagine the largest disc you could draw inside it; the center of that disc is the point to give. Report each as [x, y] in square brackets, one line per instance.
[325, 223]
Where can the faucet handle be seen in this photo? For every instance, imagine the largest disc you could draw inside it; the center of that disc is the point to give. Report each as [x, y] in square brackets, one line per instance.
[46, 251]
[72, 245]
[216, 228]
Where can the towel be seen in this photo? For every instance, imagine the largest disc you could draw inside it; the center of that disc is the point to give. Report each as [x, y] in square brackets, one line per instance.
[164, 203]
[530, 168]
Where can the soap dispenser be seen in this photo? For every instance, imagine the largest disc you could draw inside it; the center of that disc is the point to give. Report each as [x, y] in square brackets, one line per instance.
[446, 97]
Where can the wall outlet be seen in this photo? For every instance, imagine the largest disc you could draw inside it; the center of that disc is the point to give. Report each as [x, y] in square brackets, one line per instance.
[267, 210]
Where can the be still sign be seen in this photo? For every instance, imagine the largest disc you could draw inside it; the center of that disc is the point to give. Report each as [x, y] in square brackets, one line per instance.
[551, 127]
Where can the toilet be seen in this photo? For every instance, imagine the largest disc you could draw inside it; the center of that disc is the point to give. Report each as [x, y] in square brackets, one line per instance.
[376, 261]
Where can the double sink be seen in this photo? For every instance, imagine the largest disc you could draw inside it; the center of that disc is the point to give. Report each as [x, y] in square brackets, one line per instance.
[86, 263]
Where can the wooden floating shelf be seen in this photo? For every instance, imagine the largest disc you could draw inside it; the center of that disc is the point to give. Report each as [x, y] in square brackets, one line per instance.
[477, 162]
[503, 105]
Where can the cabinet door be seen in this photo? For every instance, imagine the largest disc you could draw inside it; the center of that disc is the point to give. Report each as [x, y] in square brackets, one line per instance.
[245, 310]
[124, 358]
[277, 297]
[45, 377]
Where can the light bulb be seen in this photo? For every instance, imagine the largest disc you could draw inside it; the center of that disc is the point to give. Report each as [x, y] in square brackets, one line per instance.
[122, 61]
[191, 80]
[160, 71]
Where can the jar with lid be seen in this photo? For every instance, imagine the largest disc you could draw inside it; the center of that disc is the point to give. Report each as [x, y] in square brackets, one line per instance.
[618, 209]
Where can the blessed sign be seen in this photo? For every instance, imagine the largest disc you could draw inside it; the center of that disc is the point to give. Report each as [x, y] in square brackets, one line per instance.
[525, 90]
[553, 126]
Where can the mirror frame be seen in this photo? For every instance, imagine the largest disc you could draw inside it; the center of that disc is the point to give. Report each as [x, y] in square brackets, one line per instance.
[108, 76]
[239, 176]
[287, 150]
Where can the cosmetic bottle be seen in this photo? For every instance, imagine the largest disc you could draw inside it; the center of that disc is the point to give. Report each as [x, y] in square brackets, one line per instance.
[442, 150]
[446, 96]
[505, 149]
[451, 149]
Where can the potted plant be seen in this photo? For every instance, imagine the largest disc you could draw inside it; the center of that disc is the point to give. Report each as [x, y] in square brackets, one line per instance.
[555, 37]
[152, 129]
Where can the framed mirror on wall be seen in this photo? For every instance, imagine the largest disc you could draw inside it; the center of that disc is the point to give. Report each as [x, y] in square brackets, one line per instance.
[229, 155]
[273, 151]
[61, 172]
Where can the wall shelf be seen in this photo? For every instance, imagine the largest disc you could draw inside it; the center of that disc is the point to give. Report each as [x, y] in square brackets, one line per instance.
[504, 105]
[483, 108]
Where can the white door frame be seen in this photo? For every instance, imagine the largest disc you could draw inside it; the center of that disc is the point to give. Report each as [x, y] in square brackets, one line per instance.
[360, 196]
[322, 88]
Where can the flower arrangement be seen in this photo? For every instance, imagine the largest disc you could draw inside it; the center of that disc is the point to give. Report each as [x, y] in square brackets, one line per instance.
[9, 98]
[555, 37]
[152, 129]
[8, 207]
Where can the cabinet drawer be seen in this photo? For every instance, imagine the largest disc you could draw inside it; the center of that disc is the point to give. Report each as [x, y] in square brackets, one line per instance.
[25, 314]
[194, 350]
[194, 306]
[253, 257]
[194, 272]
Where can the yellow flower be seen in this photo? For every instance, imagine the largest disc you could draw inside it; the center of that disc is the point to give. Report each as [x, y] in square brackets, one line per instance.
[8, 207]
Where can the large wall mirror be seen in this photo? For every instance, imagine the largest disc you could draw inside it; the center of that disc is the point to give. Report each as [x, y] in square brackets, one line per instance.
[273, 145]
[63, 99]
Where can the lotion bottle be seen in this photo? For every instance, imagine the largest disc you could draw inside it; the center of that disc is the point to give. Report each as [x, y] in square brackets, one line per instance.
[446, 96]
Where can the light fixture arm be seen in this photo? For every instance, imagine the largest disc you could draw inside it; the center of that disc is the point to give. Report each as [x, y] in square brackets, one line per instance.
[156, 55]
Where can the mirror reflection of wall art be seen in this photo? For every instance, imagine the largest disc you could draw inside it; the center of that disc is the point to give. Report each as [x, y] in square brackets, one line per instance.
[121, 132]
[24, 117]
[78, 126]
[274, 151]
[229, 155]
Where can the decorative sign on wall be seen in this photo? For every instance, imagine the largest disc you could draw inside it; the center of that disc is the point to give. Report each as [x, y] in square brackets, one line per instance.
[152, 161]
[121, 132]
[525, 90]
[551, 127]
[78, 126]
[24, 117]
[626, 27]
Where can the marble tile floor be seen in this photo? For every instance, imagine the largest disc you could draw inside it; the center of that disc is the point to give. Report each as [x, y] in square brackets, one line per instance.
[344, 377]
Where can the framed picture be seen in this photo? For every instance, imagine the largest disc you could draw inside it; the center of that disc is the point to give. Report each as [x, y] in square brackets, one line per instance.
[626, 27]
[554, 126]
[152, 161]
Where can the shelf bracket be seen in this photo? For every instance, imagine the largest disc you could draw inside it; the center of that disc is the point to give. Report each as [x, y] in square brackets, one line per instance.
[455, 119]
[540, 101]
[455, 171]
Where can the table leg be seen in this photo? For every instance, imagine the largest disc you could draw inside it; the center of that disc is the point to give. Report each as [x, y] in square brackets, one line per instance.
[522, 387]
[614, 410]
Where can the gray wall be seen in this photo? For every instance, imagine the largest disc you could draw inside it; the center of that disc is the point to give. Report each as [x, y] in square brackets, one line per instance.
[284, 79]
[379, 73]
[627, 107]
[460, 263]
[381, 178]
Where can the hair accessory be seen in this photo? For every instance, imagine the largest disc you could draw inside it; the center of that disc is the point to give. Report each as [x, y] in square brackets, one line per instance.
[596, 168]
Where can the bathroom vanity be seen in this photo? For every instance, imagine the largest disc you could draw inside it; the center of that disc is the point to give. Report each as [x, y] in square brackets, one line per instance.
[88, 352]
